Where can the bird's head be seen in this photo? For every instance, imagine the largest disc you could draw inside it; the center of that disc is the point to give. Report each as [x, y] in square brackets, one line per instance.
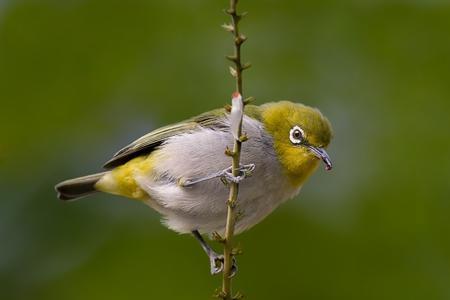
[300, 134]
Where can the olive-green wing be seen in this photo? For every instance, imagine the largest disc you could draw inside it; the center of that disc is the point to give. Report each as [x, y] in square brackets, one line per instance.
[147, 143]
[213, 119]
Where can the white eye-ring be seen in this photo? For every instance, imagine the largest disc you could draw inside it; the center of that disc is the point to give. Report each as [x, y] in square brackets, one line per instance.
[296, 135]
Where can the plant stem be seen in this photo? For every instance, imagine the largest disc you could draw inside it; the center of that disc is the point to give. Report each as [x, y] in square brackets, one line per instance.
[235, 154]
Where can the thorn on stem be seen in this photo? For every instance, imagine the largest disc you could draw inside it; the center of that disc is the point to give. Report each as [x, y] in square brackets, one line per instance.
[218, 238]
[232, 58]
[231, 203]
[233, 72]
[228, 27]
[229, 152]
[240, 39]
[248, 100]
[230, 11]
[236, 251]
[243, 138]
[246, 66]
[218, 293]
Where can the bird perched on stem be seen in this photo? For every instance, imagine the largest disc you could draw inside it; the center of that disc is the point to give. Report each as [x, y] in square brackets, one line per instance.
[176, 170]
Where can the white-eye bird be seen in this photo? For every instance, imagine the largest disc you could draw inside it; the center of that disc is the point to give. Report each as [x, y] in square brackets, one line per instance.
[175, 169]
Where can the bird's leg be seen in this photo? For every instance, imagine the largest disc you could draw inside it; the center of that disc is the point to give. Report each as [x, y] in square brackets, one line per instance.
[244, 172]
[216, 260]
[225, 175]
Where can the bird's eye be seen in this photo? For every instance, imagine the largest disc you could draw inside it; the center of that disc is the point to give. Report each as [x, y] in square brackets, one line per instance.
[296, 135]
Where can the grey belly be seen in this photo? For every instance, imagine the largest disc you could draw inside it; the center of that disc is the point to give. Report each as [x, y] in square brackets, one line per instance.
[202, 206]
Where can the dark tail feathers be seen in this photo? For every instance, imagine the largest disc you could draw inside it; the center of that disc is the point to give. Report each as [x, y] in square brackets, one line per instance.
[73, 189]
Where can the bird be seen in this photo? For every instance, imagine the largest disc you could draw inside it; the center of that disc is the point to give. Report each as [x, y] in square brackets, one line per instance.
[179, 170]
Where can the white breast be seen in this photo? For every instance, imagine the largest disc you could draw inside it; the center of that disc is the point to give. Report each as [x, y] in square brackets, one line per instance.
[202, 207]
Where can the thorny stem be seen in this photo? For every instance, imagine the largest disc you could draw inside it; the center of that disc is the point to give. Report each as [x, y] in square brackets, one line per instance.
[235, 154]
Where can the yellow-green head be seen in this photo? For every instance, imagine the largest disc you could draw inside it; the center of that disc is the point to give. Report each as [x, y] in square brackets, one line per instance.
[300, 134]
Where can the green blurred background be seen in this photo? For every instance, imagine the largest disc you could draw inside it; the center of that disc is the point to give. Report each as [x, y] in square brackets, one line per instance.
[81, 78]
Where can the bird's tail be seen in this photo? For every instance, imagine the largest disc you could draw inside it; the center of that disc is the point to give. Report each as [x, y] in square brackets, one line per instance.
[73, 189]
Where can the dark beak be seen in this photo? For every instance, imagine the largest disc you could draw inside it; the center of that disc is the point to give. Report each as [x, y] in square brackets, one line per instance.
[323, 155]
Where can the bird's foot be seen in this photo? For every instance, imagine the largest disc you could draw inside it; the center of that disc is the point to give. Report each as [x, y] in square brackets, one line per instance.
[225, 175]
[244, 172]
[217, 264]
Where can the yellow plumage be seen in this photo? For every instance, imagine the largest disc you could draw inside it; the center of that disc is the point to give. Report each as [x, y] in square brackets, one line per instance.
[121, 181]
[279, 119]
[286, 144]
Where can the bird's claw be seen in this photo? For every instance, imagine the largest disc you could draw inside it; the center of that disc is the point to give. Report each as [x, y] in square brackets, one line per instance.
[217, 264]
[234, 268]
[244, 172]
[225, 175]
